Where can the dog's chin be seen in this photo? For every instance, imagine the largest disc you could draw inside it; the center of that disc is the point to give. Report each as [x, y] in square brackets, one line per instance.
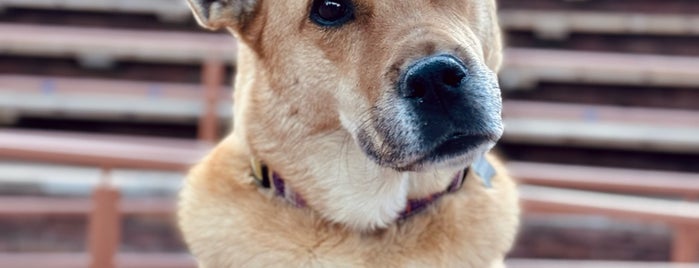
[451, 153]
[446, 156]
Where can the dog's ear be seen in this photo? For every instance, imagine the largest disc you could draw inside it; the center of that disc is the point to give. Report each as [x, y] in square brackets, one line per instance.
[216, 14]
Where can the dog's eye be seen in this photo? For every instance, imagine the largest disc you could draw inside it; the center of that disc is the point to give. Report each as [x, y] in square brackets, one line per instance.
[332, 13]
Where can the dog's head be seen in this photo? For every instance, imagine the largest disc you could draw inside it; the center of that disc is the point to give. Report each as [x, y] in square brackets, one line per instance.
[412, 82]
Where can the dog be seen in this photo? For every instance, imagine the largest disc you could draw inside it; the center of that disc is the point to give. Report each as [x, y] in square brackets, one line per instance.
[362, 138]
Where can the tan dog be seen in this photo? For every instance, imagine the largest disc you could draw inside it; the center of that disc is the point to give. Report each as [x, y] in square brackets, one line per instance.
[364, 113]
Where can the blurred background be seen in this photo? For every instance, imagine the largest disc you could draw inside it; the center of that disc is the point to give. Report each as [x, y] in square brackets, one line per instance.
[104, 104]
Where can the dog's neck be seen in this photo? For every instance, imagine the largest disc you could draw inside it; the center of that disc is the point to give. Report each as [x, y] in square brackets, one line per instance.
[269, 179]
[273, 181]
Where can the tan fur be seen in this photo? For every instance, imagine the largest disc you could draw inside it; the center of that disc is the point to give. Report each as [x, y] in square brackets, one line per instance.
[301, 92]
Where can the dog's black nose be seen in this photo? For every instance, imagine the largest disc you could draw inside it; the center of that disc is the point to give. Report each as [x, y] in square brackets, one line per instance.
[437, 75]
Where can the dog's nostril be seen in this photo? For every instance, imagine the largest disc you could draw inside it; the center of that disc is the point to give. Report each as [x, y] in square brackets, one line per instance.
[417, 88]
[435, 75]
[453, 78]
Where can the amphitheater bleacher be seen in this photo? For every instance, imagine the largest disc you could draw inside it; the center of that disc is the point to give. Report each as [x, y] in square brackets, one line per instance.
[606, 179]
[166, 10]
[602, 126]
[584, 48]
[525, 67]
[97, 47]
[560, 24]
[106, 207]
[533, 263]
[672, 7]
[75, 260]
[106, 99]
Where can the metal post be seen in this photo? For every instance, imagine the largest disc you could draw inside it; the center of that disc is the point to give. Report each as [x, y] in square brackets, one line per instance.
[685, 245]
[212, 77]
[104, 227]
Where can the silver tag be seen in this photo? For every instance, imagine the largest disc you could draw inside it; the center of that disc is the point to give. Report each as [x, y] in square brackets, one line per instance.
[484, 170]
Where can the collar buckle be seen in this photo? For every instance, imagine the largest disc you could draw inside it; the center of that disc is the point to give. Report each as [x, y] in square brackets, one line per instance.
[261, 174]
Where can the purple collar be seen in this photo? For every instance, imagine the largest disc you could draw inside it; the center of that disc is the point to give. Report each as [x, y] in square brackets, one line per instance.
[272, 180]
[415, 206]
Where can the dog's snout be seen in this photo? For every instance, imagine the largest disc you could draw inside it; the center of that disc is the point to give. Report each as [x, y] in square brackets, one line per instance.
[435, 75]
[454, 107]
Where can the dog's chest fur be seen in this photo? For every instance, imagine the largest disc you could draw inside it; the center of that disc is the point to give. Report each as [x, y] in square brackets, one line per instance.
[230, 222]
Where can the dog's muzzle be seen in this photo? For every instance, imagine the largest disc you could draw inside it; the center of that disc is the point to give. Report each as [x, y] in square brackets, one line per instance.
[440, 111]
[457, 106]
